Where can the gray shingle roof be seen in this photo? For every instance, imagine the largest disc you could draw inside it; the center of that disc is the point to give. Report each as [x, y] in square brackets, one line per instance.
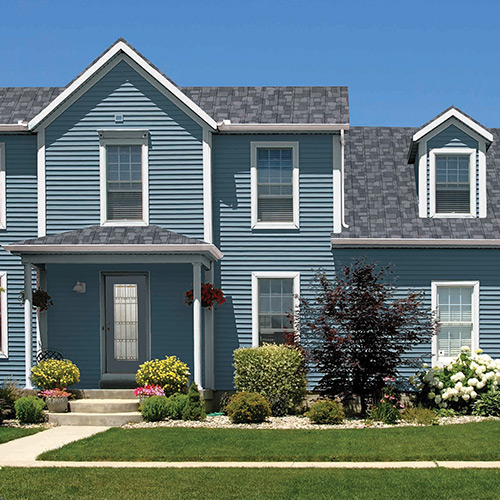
[115, 235]
[380, 189]
[238, 104]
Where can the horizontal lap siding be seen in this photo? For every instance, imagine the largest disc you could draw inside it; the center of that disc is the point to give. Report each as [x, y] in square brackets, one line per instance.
[246, 251]
[74, 325]
[20, 153]
[175, 155]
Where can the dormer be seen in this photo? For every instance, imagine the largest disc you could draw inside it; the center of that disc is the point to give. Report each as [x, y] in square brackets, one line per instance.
[449, 155]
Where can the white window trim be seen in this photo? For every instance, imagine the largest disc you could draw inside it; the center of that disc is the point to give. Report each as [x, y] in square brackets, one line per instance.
[254, 146]
[124, 137]
[3, 190]
[255, 296]
[4, 340]
[472, 180]
[436, 360]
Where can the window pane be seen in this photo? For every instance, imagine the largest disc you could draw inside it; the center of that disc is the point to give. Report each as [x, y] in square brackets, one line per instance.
[452, 184]
[124, 183]
[274, 185]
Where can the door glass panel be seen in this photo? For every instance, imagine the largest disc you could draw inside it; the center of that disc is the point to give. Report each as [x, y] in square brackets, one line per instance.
[126, 325]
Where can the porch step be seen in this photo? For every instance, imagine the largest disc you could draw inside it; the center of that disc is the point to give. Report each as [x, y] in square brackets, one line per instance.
[107, 419]
[106, 394]
[104, 405]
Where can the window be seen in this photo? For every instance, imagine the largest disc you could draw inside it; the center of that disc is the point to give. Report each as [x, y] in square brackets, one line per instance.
[456, 306]
[124, 177]
[275, 181]
[3, 199]
[275, 298]
[4, 351]
[453, 185]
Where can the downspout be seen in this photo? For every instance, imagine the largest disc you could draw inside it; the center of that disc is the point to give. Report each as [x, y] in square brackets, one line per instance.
[342, 204]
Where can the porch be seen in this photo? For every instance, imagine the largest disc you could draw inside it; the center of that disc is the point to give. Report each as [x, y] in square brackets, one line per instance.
[118, 296]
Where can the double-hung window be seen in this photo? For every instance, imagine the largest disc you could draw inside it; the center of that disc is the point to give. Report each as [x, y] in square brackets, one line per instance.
[275, 185]
[456, 308]
[3, 190]
[4, 334]
[124, 177]
[275, 297]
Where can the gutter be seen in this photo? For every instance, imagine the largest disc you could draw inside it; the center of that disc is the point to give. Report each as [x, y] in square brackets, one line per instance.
[227, 126]
[414, 243]
[20, 126]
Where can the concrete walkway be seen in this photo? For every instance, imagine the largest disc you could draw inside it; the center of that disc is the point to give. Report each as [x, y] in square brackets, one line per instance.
[22, 452]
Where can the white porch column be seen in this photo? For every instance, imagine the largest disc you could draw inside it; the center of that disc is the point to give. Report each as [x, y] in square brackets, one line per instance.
[197, 324]
[28, 323]
[41, 333]
[209, 337]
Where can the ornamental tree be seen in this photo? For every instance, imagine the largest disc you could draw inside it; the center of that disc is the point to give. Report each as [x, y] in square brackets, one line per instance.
[358, 333]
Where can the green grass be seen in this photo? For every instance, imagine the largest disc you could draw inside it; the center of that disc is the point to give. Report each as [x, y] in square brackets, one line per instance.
[477, 441]
[10, 433]
[248, 484]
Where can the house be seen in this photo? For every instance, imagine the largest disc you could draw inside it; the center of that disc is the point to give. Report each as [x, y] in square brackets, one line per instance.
[122, 190]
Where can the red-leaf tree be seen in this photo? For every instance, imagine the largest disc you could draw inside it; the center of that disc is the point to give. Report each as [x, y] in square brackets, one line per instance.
[358, 333]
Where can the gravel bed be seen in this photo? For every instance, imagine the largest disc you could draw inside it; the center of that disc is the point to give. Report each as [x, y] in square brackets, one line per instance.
[15, 423]
[293, 422]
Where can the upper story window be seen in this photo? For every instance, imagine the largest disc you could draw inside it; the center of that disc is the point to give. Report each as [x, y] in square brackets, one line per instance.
[456, 306]
[124, 177]
[274, 301]
[3, 190]
[275, 185]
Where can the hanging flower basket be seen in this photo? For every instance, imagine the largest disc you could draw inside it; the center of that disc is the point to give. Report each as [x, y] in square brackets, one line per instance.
[209, 296]
[41, 299]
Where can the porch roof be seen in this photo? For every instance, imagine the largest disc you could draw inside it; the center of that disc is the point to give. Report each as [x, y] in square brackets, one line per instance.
[117, 241]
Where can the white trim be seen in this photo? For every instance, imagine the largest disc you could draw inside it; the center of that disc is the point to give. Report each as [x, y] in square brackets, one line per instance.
[4, 338]
[124, 137]
[197, 326]
[3, 187]
[255, 296]
[475, 315]
[254, 145]
[281, 127]
[422, 179]
[28, 324]
[13, 127]
[41, 184]
[481, 189]
[337, 184]
[453, 113]
[207, 186]
[414, 243]
[209, 343]
[105, 59]
[472, 180]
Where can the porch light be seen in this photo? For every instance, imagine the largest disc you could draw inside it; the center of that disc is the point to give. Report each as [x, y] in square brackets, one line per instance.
[80, 287]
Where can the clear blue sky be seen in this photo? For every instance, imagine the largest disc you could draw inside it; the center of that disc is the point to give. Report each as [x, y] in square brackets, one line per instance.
[404, 61]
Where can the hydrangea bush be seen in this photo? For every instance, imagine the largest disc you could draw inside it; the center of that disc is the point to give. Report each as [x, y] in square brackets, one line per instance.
[458, 384]
[170, 373]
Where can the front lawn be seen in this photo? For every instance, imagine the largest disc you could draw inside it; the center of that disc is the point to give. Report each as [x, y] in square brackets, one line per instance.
[10, 433]
[248, 484]
[476, 441]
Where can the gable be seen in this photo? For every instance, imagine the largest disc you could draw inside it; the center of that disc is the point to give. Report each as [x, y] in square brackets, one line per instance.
[451, 137]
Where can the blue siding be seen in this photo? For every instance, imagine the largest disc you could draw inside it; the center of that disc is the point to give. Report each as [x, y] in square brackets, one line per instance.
[246, 250]
[175, 155]
[20, 156]
[74, 319]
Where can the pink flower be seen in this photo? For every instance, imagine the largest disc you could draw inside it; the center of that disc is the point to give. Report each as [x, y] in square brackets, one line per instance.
[386, 396]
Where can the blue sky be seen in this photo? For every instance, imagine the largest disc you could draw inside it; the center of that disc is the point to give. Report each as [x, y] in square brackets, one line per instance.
[404, 61]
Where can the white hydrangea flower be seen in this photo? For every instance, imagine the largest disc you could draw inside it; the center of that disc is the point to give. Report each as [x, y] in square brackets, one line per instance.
[465, 397]
[473, 382]
[437, 399]
[440, 385]
[480, 385]
[465, 348]
[473, 394]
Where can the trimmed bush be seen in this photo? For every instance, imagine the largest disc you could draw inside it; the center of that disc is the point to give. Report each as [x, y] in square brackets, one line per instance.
[194, 409]
[154, 409]
[175, 405]
[170, 373]
[419, 415]
[29, 410]
[277, 372]
[55, 374]
[248, 408]
[326, 411]
[487, 405]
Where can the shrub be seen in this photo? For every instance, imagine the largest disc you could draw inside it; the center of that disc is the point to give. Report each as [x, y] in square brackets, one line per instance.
[277, 372]
[3, 410]
[194, 408]
[248, 408]
[419, 415]
[169, 373]
[175, 405]
[29, 410]
[9, 393]
[388, 408]
[487, 405]
[446, 413]
[326, 411]
[224, 401]
[458, 384]
[55, 373]
[154, 409]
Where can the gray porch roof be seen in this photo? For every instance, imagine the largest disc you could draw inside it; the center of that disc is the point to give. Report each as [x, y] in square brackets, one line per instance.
[116, 240]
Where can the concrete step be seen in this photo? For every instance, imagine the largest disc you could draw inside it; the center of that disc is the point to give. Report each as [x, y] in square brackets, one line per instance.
[106, 394]
[103, 405]
[106, 419]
